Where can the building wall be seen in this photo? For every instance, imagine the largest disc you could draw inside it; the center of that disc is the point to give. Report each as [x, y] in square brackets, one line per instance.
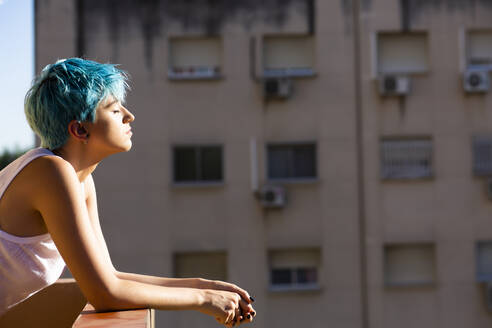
[148, 219]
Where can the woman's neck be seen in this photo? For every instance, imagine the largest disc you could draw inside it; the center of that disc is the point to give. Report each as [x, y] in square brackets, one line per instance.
[81, 160]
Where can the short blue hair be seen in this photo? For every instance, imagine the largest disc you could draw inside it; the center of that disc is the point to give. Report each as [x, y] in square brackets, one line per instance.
[70, 89]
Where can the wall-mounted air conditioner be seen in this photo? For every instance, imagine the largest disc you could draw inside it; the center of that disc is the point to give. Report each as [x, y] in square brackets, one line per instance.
[273, 196]
[394, 85]
[280, 88]
[476, 80]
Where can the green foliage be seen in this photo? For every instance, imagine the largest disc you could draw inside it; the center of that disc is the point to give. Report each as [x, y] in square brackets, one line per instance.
[9, 156]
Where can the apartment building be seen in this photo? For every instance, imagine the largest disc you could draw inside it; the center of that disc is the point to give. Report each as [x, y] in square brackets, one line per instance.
[332, 157]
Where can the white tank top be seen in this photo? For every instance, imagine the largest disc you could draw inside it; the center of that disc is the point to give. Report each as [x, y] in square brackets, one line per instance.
[27, 264]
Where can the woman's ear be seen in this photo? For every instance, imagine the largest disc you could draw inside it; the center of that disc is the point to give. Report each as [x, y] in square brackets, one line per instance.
[77, 130]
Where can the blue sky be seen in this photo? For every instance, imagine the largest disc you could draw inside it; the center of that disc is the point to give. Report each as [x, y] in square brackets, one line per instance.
[16, 71]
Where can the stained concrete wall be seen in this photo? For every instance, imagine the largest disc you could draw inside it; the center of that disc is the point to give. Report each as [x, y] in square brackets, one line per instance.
[147, 218]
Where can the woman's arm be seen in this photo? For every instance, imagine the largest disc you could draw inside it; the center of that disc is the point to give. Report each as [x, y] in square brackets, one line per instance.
[62, 205]
[158, 281]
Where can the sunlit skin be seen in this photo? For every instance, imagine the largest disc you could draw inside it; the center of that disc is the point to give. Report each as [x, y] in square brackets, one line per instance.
[46, 196]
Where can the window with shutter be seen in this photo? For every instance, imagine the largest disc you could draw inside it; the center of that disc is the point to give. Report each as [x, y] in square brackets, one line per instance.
[294, 269]
[197, 164]
[194, 58]
[291, 161]
[208, 265]
[288, 56]
[479, 48]
[482, 156]
[484, 261]
[409, 264]
[402, 53]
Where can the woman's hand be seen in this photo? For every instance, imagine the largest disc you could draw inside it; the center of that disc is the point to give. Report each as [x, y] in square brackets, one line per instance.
[225, 307]
[246, 300]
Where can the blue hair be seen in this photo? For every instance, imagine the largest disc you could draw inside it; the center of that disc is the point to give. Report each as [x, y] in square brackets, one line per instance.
[70, 89]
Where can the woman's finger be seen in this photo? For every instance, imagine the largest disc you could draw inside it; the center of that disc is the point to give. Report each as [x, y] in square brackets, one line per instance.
[245, 307]
[238, 317]
[235, 289]
[244, 294]
[229, 320]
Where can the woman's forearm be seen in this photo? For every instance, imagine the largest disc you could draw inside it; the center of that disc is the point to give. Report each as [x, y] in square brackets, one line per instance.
[128, 294]
[198, 283]
[166, 282]
[225, 307]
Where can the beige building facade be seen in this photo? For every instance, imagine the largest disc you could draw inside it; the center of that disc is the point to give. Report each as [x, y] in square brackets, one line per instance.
[332, 157]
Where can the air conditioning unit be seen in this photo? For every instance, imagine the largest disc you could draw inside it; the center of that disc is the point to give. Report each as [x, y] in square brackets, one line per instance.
[280, 88]
[273, 196]
[476, 80]
[394, 85]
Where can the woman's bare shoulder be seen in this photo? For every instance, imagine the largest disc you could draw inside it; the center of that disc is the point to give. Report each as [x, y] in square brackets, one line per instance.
[50, 173]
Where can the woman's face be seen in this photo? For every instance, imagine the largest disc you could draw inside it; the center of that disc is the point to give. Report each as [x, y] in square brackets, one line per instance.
[111, 131]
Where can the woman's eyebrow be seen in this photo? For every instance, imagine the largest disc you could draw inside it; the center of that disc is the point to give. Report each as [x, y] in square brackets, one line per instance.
[111, 103]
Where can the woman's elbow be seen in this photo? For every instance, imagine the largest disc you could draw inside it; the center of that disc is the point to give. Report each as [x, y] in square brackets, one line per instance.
[106, 297]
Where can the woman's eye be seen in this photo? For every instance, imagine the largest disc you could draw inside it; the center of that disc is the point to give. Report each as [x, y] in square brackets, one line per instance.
[116, 111]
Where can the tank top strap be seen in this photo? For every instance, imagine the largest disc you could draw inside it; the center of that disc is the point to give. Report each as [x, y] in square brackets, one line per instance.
[8, 174]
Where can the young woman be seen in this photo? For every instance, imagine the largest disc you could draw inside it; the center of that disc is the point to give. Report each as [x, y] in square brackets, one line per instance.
[48, 208]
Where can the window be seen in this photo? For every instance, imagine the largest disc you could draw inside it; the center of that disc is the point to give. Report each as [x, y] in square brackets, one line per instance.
[402, 53]
[294, 269]
[482, 156]
[288, 56]
[194, 58]
[479, 48]
[406, 158]
[208, 265]
[197, 164]
[484, 261]
[291, 161]
[409, 264]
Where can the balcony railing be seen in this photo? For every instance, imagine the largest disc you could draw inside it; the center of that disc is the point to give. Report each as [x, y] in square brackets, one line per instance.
[142, 318]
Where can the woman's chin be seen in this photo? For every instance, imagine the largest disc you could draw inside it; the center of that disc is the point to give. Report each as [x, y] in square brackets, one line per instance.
[129, 146]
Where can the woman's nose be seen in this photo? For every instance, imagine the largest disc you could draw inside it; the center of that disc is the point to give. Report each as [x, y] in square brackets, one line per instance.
[129, 117]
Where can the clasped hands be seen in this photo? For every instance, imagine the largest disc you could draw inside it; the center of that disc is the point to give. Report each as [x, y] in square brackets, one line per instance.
[228, 303]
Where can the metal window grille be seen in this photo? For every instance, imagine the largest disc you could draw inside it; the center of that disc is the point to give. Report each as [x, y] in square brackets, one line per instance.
[406, 159]
[482, 156]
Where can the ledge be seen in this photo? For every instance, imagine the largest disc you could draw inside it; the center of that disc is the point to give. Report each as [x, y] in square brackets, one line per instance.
[141, 318]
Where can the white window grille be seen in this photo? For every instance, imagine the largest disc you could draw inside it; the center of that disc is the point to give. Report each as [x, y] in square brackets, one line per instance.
[482, 156]
[406, 159]
[409, 264]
